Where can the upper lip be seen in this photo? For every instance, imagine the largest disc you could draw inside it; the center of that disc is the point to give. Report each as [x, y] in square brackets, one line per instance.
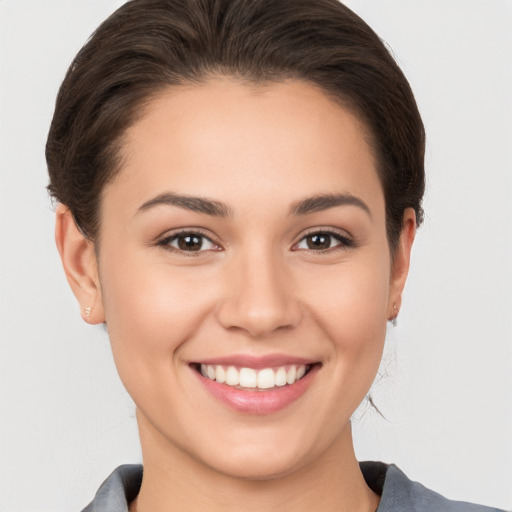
[256, 362]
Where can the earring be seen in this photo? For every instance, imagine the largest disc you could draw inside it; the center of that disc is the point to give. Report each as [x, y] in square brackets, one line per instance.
[87, 312]
[394, 321]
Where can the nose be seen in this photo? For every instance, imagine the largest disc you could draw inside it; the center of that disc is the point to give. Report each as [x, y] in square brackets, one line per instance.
[260, 297]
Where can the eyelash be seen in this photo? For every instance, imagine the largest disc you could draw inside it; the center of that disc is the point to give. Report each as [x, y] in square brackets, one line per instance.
[166, 242]
[343, 241]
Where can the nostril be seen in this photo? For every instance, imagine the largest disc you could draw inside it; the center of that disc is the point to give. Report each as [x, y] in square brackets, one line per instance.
[260, 296]
[257, 318]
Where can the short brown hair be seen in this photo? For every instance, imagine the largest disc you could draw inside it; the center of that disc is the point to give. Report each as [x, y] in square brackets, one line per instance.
[149, 45]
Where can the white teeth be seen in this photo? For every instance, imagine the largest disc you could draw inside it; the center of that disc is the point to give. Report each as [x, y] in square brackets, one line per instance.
[281, 377]
[248, 378]
[266, 378]
[220, 375]
[232, 376]
[291, 375]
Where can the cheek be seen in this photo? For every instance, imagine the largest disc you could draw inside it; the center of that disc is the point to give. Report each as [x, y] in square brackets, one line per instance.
[350, 300]
[350, 305]
[150, 308]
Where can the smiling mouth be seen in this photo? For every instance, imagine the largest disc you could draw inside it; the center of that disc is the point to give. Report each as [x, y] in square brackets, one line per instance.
[250, 379]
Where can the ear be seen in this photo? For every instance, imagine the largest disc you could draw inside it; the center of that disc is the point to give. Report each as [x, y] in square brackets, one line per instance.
[80, 265]
[400, 263]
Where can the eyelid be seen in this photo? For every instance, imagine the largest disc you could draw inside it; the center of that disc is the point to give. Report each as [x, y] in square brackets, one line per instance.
[346, 240]
[165, 239]
[342, 236]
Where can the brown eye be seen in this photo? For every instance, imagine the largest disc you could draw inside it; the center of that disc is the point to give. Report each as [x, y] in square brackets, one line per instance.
[319, 241]
[323, 241]
[189, 242]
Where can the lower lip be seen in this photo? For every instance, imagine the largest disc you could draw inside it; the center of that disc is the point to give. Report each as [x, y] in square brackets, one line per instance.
[259, 402]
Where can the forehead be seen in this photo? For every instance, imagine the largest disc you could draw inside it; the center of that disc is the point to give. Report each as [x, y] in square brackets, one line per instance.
[226, 138]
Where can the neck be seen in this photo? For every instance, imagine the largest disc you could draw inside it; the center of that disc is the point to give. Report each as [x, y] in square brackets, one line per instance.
[174, 481]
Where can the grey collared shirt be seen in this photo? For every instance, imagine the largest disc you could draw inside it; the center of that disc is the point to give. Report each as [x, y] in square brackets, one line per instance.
[398, 493]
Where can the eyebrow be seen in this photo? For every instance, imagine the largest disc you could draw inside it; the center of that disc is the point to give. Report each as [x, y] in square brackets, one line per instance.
[214, 208]
[325, 201]
[195, 204]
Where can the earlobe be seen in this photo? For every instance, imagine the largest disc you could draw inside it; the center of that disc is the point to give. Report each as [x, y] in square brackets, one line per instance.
[80, 265]
[401, 261]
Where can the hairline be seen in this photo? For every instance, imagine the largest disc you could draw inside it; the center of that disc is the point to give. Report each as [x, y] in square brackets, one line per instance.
[259, 81]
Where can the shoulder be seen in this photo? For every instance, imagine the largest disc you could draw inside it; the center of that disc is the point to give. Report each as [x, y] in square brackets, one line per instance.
[399, 494]
[118, 490]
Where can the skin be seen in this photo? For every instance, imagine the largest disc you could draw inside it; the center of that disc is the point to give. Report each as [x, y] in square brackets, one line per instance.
[257, 289]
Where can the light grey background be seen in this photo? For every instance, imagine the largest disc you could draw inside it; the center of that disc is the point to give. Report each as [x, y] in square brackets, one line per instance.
[65, 421]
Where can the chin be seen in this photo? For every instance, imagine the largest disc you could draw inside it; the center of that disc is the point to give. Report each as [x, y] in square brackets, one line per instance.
[260, 456]
[257, 466]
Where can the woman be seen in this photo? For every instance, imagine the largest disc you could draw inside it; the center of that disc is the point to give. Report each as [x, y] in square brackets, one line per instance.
[239, 185]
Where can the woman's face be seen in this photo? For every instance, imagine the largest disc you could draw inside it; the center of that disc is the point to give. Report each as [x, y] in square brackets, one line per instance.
[246, 233]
